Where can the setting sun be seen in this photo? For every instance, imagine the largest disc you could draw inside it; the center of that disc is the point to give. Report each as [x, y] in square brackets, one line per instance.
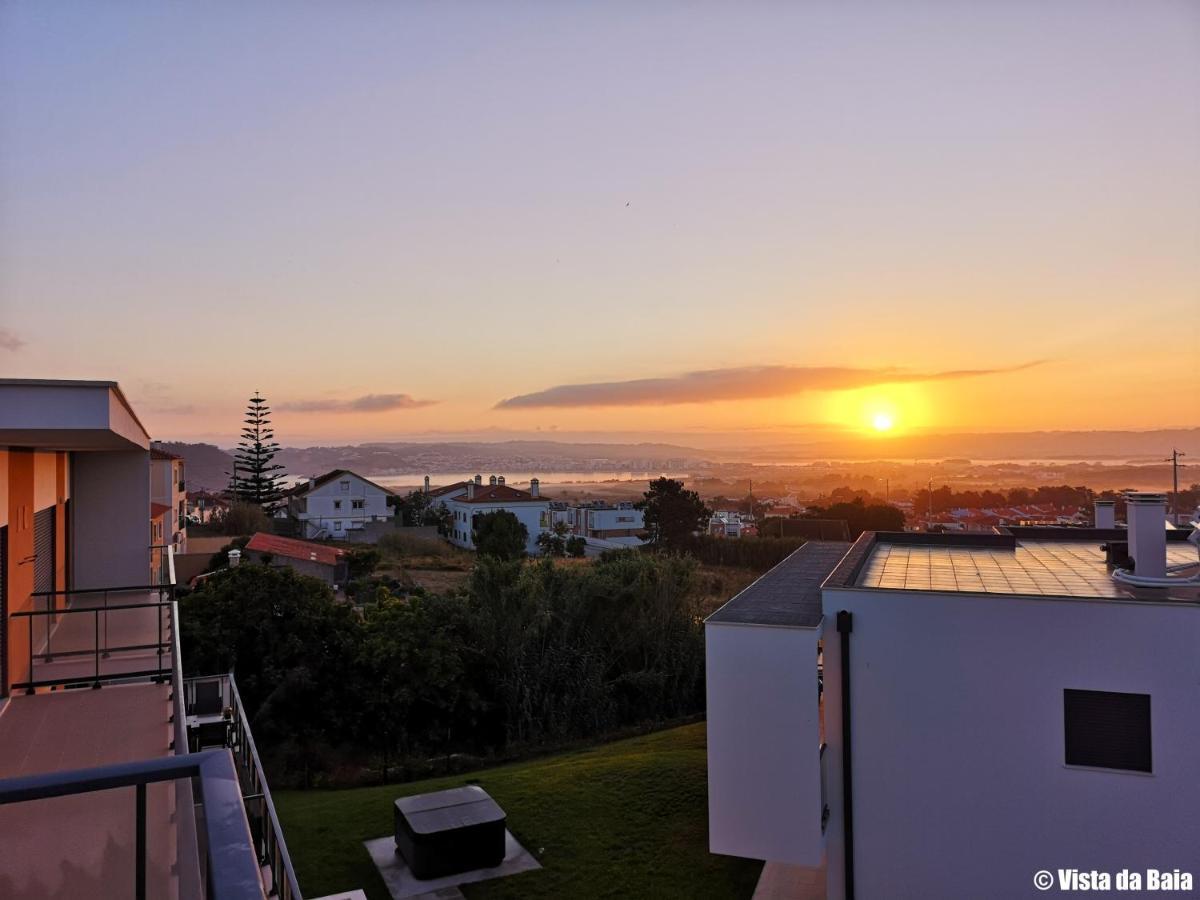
[882, 422]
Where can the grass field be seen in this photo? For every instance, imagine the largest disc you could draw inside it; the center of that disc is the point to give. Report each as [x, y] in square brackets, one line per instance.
[626, 819]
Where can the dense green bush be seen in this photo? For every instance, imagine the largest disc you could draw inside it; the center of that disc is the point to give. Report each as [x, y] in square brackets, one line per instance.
[526, 654]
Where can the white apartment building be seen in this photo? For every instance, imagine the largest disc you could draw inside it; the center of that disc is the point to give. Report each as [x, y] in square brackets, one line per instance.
[168, 488]
[600, 519]
[948, 715]
[467, 499]
[337, 504]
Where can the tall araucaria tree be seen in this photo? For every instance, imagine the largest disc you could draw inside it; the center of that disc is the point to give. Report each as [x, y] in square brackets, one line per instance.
[256, 477]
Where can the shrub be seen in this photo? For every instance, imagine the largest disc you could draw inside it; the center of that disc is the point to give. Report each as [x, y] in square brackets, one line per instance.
[245, 518]
[398, 545]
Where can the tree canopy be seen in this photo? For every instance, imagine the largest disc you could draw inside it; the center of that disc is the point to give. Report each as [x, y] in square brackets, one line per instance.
[523, 655]
[256, 477]
[672, 514]
[499, 534]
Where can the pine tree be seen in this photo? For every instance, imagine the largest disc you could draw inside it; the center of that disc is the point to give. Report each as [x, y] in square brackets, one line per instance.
[256, 478]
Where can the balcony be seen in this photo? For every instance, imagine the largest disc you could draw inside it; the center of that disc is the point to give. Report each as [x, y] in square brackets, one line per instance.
[118, 777]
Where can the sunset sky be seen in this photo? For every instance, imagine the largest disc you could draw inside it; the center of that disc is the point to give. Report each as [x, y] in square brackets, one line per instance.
[407, 219]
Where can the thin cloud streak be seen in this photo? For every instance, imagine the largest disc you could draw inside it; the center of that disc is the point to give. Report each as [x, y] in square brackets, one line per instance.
[369, 403]
[747, 383]
[10, 341]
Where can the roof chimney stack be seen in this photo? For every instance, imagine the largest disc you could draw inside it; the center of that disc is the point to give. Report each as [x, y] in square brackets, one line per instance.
[1146, 514]
[470, 490]
[535, 487]
[500, 480]
[1106, 514]
[479, 479]
[492, 481]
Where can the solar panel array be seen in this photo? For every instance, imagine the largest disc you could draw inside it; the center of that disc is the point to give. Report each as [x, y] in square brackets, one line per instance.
[1039, 568]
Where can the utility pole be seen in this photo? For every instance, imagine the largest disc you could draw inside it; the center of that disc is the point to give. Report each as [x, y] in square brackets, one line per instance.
[929, 522]
[1174, 461]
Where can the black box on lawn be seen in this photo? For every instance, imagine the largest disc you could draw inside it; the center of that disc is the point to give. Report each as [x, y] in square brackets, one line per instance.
[448, 832]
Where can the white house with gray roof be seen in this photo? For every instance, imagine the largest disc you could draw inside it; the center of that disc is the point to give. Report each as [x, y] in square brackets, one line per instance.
[987, 707]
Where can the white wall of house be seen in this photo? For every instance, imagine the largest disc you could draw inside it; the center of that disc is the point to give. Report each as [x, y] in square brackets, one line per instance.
[960, 781]
[533, 514]
[764, 749]
[613, 520]
[341, 507]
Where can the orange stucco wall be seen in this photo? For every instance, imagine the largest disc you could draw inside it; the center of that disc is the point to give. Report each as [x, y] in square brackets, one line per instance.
[20, 556]
[34, 480]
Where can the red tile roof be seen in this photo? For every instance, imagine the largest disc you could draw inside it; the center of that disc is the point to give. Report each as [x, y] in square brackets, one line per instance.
[159, 509]
[293, 548]
[437, 492]
[498, 493]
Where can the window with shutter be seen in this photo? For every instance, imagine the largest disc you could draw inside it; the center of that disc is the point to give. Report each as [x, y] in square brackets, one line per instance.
[1107, 730]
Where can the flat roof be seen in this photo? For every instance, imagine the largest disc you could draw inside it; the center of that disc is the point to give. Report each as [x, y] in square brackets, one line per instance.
[71, 419]
[1040, 564]
[788, 595]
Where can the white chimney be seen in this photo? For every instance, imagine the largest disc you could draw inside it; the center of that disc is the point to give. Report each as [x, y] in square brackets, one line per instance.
[1106, 513]
[471, 490]
[492, 481]
[500, 480]
[479, 479]
[1146, 514]
[426, 484]
[535, 487]
[235, 557]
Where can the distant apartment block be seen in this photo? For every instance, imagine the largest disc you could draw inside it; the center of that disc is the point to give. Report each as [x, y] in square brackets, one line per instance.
[337, 505]
[465, 500]
[726, 524]
[168, 489]
[600, 519]
[204, 506]
[945, 715]
[118, 776]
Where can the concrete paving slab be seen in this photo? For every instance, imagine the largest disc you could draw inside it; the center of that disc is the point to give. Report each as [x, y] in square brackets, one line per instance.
[404, 886]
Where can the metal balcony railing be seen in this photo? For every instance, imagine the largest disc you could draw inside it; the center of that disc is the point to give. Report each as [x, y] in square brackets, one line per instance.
[120, 620]
[216, 717]
[236, 877]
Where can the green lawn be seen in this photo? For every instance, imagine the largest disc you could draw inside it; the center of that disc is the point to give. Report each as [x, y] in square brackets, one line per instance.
[626, 819]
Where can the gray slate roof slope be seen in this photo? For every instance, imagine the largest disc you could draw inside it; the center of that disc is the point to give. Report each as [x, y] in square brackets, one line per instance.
[790, 594]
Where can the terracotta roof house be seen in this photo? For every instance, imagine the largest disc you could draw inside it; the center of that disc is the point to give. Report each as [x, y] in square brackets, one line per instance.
[306, 557]
[467, 499]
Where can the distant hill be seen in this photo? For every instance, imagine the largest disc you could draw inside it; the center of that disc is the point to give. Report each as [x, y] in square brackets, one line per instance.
[207, 465]
[204, 464]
